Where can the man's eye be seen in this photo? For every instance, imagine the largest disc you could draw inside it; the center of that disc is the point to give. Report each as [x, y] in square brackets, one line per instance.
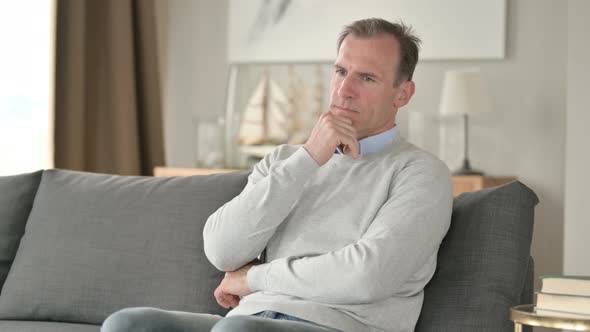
[340, 71]
[367, 78]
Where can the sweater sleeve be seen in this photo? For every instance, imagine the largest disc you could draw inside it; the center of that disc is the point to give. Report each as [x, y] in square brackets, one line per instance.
[239, 230]
[395, 256]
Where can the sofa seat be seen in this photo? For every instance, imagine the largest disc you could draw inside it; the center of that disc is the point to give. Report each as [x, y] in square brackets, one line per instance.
[32, 326]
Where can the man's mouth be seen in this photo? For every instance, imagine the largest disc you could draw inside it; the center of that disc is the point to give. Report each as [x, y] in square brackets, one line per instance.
[343, 108]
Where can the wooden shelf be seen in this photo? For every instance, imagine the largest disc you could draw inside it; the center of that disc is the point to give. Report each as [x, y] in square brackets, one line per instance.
[466, 183]
[461, 183]
[175, 171]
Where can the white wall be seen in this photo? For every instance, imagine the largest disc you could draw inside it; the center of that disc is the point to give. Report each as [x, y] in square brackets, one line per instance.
[195, 72]
[577, 152]
[523, 137]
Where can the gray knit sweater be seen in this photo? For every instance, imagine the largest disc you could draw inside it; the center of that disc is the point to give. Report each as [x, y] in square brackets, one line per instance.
[349, 245]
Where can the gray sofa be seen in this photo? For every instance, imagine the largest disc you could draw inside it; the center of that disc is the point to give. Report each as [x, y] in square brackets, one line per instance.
[77, 246]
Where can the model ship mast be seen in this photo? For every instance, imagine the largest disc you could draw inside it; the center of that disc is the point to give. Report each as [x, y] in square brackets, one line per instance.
[319, 95]
[298, 109]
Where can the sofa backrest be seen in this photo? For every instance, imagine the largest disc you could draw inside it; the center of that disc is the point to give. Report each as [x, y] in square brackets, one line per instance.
[16, 199]
[484, 265]
[97, 243]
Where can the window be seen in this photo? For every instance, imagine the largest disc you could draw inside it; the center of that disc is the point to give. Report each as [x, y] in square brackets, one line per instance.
[26, 85]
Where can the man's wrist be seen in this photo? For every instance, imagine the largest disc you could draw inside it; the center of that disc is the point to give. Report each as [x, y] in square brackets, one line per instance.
[311, 155]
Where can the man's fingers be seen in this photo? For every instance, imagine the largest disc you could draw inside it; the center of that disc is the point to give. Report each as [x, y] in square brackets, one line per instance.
[230, 300]
[330, 131]
[226, 300]
[234, 300]
[340, 117]
[220, 298]
[342, 124]
[344, 130]
[347, 131]
[340, 120]
[221, 301]
[351, 147]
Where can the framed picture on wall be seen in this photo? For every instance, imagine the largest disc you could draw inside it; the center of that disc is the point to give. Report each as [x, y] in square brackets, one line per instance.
[306, 30]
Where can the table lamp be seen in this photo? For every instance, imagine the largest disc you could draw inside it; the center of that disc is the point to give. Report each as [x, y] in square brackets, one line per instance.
[463, 94]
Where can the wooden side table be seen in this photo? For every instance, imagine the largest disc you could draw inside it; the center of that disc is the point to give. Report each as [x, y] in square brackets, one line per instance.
[465, 183]
[526, 315]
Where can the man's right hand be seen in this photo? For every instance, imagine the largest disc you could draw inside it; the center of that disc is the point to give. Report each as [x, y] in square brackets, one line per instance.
[329, 132]
[234, 285]
[226, 299]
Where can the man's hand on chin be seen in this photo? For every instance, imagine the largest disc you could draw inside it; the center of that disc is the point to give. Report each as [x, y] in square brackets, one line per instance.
[332, 131]
[233, 285]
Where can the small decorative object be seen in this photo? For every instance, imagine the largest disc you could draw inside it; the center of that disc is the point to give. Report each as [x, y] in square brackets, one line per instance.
[265, 118]
[273, 116]
[463, 94]
[210, 143]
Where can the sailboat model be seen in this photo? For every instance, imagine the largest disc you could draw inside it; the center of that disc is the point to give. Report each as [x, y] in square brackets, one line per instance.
[303, 117]
[272, 117]
[265, 119]
[298, 110]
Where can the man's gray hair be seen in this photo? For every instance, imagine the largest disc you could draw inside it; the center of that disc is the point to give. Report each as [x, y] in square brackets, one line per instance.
[409, 42]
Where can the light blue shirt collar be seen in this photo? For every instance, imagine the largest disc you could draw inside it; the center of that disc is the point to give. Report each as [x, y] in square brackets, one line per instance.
[376, 143]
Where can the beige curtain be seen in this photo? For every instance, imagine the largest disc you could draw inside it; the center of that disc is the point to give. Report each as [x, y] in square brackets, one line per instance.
[108, 115]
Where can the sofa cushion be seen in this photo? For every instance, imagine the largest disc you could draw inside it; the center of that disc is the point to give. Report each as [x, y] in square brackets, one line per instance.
[482, 261]
[30, 326]
[16, 199]
[97, 243]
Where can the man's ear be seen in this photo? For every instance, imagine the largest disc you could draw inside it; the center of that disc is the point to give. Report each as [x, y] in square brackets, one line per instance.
[404, 93]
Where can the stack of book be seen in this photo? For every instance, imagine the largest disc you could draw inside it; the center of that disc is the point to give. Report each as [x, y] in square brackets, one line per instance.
[564, 296]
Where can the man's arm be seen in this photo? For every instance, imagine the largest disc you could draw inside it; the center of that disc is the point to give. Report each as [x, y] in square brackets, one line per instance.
[239, 230]
[402, 239]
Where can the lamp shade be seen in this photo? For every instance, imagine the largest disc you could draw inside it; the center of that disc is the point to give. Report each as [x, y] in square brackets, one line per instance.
[464, 93]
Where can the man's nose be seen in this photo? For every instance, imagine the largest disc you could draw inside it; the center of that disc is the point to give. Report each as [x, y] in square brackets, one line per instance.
[347, 89]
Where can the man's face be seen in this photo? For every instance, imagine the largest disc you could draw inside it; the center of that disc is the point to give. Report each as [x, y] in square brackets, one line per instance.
[362, 86]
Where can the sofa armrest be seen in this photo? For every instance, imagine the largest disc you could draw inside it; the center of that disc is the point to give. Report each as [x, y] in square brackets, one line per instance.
[526, 297]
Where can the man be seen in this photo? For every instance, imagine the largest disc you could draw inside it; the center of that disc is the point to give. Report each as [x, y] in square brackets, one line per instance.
[349, 238]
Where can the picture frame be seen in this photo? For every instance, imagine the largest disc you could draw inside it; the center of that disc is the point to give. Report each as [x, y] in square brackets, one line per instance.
[296, 31]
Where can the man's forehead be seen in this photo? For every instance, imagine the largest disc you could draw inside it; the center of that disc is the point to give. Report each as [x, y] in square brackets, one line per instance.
[378, 53]
[364, 65]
